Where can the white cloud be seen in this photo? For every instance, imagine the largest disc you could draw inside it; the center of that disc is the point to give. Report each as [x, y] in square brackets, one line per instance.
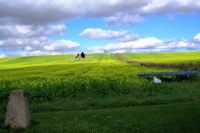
[182, 44]
[26, 24]
[97, 33]
[197, 37]
[128, 38]
[122, 19]
[34, 12]
[28, 48]
[166, 6]
[2, 55]
[38, 11]
[1, 42]
[28, 31]
[129, 46]
[33, 53]
[102, 34]
[150, 50]
[33, 40]
[150, 45]
[120, 51]
[62, 45]
[139, 44]
[40, 43]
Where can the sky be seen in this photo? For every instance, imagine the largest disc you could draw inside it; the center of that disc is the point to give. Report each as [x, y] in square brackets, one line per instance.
[51, 27]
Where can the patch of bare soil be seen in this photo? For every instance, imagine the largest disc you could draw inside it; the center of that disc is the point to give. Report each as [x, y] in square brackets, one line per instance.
[187, 67]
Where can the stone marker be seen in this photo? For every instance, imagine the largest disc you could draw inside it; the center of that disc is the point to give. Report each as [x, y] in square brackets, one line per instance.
[17, 114]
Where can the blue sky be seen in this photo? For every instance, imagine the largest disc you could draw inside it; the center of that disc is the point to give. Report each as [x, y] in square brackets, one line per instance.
[43, 27]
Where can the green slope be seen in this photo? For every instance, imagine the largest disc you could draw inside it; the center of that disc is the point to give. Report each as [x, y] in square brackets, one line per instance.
[61, 83]
[169, 58]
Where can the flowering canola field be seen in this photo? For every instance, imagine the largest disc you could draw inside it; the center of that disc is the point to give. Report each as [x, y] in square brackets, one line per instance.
[50, 78]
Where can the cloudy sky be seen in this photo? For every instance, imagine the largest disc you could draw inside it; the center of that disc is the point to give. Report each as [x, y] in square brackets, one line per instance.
[47, 27]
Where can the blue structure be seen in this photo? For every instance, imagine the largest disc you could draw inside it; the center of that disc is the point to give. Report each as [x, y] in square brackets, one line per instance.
[168, 73]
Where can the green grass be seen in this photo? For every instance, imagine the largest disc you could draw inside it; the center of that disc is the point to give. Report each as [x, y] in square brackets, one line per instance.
[20, 62]
[99, 82]
[176, 118]
[168, 58]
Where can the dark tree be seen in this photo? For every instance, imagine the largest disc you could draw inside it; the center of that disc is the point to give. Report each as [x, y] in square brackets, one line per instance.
[82, 55]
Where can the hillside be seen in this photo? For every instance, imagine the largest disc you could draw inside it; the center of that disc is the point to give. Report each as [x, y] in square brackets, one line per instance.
[167, 58]
[99, 82]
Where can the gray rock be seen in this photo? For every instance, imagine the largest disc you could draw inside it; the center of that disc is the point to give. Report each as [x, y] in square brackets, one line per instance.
[17, 114]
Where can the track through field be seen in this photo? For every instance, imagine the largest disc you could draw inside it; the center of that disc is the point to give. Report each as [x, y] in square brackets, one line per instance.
[187, 67]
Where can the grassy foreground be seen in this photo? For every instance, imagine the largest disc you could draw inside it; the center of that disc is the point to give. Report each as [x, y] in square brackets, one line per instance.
[170, 118]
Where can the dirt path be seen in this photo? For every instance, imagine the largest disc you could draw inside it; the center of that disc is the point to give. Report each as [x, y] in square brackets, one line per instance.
[124, 60]
[187, 67]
